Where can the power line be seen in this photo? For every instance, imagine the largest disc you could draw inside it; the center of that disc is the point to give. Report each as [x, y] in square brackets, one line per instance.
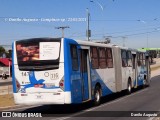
[127, 35]
[137, 34]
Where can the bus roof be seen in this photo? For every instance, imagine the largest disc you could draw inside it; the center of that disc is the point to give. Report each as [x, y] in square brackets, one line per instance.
[149, 49]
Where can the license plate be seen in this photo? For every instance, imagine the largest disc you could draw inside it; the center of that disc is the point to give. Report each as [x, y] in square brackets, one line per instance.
[39, 97]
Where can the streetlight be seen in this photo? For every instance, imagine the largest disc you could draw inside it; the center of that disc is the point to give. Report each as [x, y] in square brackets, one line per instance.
[144, 22]
[98, 4]
[62, 28]
[88, 32]
[88, 15]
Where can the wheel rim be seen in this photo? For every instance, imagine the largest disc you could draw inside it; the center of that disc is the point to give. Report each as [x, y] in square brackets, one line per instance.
[97, 96]
[144, 82]
[129, 87]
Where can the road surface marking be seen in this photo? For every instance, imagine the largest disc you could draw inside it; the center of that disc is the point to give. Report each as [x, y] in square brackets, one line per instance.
[105, 104]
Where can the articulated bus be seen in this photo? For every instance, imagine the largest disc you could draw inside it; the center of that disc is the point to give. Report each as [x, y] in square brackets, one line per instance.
[67, 71]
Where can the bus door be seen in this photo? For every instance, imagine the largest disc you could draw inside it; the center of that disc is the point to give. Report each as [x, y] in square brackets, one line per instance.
[84, 73]
[126, 67]
[134, 67]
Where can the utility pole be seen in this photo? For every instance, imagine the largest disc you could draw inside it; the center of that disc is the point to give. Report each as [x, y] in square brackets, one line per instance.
[62, 28]
[124, 38]
[88, 32]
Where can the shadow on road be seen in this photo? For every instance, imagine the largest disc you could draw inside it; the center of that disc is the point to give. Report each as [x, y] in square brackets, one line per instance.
[65, 110]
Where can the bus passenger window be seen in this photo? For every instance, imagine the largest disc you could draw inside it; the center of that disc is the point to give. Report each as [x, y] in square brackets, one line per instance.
[138, 59]
[144, 58]
[102, 58]
[74, 57]
[124, 58]
[109, 58]
[141, 58]
[129, 58]
[94, 58]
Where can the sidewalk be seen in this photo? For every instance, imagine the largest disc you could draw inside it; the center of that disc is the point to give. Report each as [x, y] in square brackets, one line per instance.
[6, 89]
[156, 64]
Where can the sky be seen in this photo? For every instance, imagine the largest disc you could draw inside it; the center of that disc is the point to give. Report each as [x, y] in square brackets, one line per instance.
[131, 23]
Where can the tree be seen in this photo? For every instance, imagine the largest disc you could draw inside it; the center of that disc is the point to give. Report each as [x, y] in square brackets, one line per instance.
[2, 50]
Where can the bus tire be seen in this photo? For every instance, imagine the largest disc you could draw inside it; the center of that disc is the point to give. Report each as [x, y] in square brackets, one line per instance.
[148, 82]
[97, 95]
[145, 81]
[129, 87]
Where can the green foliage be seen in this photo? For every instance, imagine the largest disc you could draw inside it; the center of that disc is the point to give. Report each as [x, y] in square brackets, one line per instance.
[3, 51]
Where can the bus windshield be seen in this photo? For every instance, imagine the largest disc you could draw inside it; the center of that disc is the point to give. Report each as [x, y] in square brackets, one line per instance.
[38, 54]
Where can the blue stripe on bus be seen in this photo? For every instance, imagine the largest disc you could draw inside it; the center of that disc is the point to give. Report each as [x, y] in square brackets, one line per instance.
[13, 73]
[67, 62]
[68, 72]
[76, 97]
[104, 87]
[140, 82]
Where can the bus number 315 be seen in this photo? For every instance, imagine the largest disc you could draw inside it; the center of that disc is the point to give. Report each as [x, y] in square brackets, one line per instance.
[53, 75]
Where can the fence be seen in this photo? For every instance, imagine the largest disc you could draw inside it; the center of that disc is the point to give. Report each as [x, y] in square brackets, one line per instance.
[6, 90]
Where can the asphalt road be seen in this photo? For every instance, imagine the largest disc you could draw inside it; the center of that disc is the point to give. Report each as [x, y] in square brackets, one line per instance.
[4, 82]
[117, 107]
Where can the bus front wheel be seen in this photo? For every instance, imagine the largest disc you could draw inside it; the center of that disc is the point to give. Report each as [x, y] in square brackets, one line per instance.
[97, 96]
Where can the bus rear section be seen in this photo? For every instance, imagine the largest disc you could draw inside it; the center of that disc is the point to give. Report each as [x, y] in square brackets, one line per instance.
[38, 72]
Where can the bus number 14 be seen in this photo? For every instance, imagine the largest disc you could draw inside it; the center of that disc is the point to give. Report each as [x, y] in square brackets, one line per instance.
[25, 73]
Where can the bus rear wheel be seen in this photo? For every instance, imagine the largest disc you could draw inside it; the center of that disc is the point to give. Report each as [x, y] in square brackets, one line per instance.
[97, 96]
[129, 87]
[146, 82]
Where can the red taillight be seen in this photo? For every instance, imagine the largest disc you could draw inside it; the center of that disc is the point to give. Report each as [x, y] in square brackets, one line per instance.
[61, 84]
[23, 94]
[18, 86]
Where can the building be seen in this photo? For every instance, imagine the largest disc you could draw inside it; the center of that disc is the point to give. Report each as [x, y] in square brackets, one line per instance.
[5, 67]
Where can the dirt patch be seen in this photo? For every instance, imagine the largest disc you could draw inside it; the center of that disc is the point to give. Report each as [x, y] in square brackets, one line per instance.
[155, 68]
[6, 100]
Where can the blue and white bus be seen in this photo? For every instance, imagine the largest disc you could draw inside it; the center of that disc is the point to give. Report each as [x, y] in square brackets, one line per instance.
[67, 71]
